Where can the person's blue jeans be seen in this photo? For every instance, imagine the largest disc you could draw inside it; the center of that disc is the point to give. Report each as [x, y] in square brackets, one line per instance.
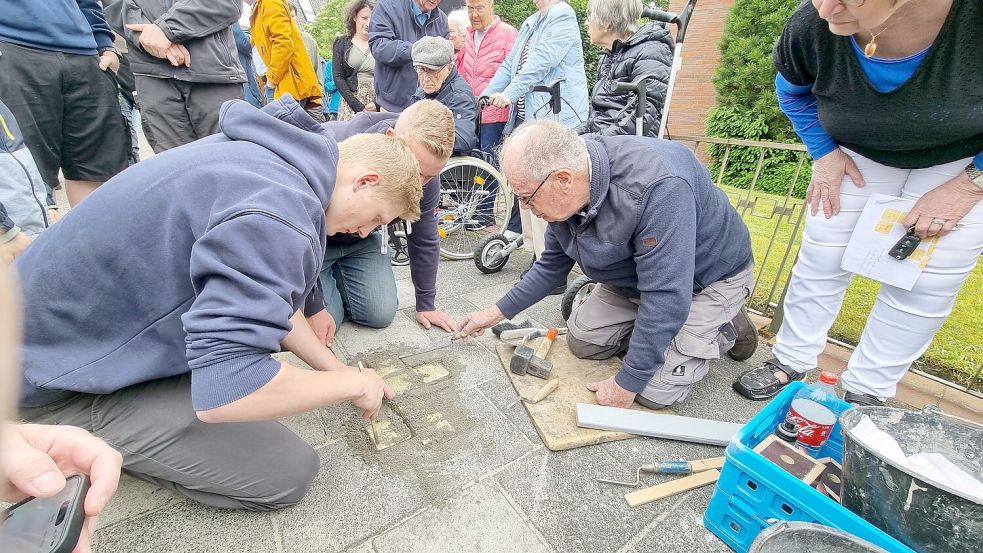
[358, 283]
[268, 91]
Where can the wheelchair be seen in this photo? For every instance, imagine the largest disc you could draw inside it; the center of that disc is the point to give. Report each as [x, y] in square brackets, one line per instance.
[475, 199]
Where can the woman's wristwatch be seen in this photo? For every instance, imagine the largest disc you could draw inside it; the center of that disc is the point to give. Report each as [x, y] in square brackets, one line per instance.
[975, 175]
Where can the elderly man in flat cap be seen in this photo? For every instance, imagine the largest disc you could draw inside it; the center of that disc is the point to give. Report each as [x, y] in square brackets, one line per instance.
[433, 59]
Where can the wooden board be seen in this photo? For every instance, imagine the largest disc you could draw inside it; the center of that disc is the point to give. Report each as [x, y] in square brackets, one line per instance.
[657, 425]
[555, 417]
[672, 487]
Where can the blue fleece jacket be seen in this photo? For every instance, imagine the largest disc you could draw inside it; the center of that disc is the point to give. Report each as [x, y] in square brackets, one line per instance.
[656, 228]
[191, 261]
[392, 31]
[422, 241]
[70, 26]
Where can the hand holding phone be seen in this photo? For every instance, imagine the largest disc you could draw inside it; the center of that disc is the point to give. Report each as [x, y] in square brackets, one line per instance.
[46, 525]
[36, 459]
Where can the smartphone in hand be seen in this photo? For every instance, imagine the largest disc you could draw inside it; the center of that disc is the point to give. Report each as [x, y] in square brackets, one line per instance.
[48, 525]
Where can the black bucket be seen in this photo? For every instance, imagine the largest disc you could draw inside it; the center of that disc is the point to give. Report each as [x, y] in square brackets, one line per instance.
[924, 515]
[794, 537]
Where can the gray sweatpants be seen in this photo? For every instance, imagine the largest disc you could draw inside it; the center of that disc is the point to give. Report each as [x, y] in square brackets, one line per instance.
[602, 326]
[178, 112]
[253, 465]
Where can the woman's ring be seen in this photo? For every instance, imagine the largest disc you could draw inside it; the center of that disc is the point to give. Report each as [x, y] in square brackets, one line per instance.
[938, 221]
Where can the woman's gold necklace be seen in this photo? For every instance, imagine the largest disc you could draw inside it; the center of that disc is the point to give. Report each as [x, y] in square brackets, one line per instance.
[871, 47]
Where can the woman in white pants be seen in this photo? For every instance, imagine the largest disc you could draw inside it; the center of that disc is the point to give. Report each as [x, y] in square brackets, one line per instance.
[888, 97]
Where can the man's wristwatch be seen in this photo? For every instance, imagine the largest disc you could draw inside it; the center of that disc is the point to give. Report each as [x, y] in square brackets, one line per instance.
[975, 174]
[110, 49]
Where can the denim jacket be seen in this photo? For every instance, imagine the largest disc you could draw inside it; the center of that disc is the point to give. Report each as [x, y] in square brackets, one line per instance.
[555, 52]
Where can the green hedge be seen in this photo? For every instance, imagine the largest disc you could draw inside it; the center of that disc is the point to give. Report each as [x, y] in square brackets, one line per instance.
[746, 104]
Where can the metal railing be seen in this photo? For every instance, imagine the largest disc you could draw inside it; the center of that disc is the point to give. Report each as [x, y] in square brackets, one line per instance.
[785, 213]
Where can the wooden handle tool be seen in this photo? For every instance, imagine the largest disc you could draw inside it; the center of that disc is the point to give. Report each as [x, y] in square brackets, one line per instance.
[375, 431]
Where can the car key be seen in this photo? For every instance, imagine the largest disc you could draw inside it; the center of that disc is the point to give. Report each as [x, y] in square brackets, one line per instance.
[908, 243]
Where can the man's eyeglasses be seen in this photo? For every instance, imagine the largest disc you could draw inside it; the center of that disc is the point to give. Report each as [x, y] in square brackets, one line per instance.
[527, 201]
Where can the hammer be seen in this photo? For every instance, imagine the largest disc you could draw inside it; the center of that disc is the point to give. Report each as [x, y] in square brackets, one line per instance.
[526, 360]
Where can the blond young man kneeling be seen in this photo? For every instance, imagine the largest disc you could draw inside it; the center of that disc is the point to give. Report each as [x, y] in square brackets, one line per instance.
[154, 309]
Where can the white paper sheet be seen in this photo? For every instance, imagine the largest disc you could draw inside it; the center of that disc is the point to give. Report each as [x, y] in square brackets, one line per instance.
[877, 231]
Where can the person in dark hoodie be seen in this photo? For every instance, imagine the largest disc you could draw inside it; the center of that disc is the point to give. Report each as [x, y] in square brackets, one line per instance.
[357, 280]
[155, 307]
[395, 26]
[433, 59]
[629, 53]
[643, 218]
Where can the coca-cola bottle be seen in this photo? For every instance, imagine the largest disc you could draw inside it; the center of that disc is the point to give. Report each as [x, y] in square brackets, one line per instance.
[815, 410]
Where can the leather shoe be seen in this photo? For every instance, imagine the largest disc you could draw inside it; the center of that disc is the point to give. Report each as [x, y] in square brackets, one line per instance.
[747, 337]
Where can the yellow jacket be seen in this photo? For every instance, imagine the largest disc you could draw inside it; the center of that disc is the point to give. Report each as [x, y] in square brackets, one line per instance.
[277, 39]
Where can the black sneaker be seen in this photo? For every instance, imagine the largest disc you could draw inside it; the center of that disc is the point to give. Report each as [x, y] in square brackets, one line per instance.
[761, 383]
[747, 337]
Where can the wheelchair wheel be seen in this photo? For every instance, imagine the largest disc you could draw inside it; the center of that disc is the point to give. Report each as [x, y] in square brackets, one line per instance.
[575, 295]
[397, 243]
[484, 254]
[475, 201]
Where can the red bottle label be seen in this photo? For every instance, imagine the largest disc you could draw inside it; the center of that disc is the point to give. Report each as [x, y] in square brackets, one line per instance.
[815, 422]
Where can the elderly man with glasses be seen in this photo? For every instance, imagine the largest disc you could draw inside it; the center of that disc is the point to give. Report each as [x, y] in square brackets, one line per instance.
[433, 59]
[671, 256]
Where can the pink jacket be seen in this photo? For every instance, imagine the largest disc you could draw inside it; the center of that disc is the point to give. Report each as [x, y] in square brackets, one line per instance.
[478, 67]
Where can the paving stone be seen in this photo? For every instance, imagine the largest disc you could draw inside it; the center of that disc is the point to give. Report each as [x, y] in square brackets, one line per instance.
[308, 426]
[501, 394]
[714, 396]
[405, 293]
[479, 518]
[190, 527]
[133, 498]
[402, 336]
[363, 548]
[353, 497]
[677, 527]
[559, 493]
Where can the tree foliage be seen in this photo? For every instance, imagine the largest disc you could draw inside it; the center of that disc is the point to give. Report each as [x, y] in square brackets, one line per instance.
[746, 104]
[328, 25]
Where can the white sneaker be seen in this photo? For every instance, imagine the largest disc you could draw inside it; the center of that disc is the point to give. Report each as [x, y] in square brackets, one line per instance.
[511, 235]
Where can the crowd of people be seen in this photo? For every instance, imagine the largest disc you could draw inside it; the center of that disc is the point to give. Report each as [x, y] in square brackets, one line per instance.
[156, 303]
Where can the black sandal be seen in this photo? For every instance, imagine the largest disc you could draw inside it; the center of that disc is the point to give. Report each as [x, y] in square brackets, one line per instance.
[862, 400]
[761, 383]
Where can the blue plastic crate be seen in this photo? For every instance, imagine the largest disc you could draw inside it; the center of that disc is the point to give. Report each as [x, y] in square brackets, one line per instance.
[751, 489]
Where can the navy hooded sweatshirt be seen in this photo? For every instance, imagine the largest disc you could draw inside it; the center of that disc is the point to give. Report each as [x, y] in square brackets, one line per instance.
[191, 261]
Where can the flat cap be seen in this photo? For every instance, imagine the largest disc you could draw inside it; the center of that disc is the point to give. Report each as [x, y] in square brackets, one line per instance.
[432, 52]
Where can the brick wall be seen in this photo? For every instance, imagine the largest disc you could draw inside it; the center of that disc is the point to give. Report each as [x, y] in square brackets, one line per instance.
[693, 95]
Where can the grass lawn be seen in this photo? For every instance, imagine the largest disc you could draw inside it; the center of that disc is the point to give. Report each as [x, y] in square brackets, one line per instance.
[957, 351]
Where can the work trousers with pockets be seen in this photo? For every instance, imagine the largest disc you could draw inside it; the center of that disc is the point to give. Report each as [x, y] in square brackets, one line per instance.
[602, 327]
[178, 112]
[246, 465]
[902, 323]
